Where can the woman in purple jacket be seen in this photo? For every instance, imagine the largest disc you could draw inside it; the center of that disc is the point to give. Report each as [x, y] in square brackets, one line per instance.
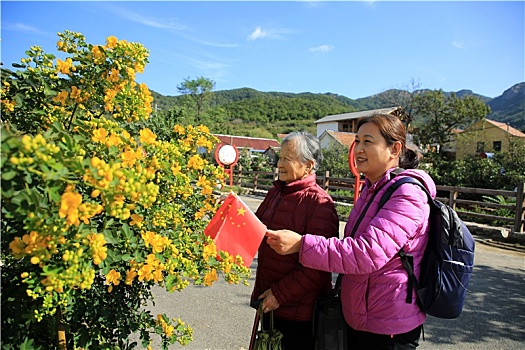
[295, 202]
[374, 286]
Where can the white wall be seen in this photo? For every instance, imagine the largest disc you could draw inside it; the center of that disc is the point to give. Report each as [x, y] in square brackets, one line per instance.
[322, 127]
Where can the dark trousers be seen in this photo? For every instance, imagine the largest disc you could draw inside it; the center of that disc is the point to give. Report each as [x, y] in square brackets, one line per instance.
[297, 335]
[359, 340]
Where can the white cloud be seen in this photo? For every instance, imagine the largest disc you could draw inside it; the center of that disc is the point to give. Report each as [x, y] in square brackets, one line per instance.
[165, 23]
[458, 44]
[322, 48]
[257, 34]
[20, 27]
[271, 33]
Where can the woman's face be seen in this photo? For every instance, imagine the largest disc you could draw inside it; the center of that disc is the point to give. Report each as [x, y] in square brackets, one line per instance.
[372, 155]
[290, 166]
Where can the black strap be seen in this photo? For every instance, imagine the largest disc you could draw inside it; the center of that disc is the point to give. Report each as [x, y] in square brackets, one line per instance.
[363, 212]
[337, 286]
[406, 259]
[408, 263]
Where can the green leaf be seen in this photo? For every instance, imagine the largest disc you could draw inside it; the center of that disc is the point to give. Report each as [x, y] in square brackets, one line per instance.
[126, 257]
[9, 175]
[53, 194]
[19, 98]
[127, 232]
[28, 179]
[108, 236]
[108, 223]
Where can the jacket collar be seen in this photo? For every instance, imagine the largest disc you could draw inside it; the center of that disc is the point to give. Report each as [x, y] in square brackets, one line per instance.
[372, 187]
[296, 185]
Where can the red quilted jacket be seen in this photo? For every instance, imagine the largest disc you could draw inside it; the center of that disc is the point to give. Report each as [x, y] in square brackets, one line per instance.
[304, 207]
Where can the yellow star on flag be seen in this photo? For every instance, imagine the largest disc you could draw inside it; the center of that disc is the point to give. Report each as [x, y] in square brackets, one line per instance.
[241, 211]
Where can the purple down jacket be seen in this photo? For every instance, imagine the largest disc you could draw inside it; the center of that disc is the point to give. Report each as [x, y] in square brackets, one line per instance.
[374, 287]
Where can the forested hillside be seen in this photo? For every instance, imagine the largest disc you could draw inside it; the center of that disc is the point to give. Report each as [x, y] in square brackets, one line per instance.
[249, 112]
[510, 107]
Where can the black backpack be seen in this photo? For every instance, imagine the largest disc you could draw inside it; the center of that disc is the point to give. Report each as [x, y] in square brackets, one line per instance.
[447, 263]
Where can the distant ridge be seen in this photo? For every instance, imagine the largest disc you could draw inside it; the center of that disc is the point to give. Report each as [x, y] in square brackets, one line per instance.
[266, 107]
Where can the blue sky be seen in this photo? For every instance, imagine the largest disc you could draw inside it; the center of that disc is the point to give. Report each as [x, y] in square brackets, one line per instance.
[352, 48]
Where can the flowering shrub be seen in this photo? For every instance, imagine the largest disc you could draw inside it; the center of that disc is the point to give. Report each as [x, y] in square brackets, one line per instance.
[96, 209]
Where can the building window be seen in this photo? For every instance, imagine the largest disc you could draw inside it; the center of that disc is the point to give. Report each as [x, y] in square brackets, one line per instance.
[480, 147]
[496, 146]
[345, 127]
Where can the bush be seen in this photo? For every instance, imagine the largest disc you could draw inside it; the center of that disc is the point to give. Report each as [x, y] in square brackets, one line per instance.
[96, 209]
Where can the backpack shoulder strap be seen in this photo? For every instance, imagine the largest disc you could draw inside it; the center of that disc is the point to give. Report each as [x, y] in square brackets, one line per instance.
[405, 179]
[406, 259]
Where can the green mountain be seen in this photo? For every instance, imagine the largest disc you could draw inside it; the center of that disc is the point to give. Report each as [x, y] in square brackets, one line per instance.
[249, 112]
[510, 107]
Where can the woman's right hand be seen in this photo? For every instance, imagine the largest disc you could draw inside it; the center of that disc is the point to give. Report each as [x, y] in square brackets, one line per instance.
[284, 241]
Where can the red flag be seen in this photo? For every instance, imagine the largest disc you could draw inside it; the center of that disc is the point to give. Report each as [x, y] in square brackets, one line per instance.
[236, 230]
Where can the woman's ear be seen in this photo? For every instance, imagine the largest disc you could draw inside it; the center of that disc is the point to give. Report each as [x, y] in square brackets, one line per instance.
[396, 149]
[309, 166]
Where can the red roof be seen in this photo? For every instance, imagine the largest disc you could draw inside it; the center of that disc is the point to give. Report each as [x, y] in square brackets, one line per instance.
[507, 128]
[253, 143]
[344, 138]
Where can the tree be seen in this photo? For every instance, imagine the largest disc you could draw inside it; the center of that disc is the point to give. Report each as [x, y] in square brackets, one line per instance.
[335, 160]
[512, 162]
[403, 96]
[199, 91]
[436, 115]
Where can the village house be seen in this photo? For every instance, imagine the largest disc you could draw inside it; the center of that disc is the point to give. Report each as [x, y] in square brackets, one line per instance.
[340, 129]
[347, 122]
[486, 137]
[253, 144]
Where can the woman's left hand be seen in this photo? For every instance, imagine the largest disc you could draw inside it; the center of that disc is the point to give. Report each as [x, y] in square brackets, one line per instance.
[284, 241]
[270, 302]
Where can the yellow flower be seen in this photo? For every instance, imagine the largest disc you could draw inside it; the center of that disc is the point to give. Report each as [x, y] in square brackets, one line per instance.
[207, 190]
[196, 162]
[147, 136]
[202, 181]
[113, 140]
[61, 97]
[97, 54]
[136, 220]
[130, 275]
[64, 66]
[17, 247]
[209, 251]
[145, 273]
[203, 128]
[75, 94]
[210, 277]
[129, 157]
[111, 42]
[113, 76]
[113, 277]
[69, 203]
[176, 170]
[8, 105]
[178, 129]
[99, 135]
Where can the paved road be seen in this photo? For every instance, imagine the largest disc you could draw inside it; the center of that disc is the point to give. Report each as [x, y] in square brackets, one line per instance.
[493, 316]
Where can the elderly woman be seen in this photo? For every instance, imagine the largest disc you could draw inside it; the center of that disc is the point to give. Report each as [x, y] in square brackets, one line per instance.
[375, 283]
[297, 203]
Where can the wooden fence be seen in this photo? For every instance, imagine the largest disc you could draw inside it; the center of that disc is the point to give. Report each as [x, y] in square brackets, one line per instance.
[469, 202]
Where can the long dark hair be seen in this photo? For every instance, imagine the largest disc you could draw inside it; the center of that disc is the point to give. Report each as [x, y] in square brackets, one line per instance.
[392, 130]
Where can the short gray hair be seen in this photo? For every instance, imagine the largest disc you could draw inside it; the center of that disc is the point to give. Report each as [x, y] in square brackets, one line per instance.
[308, 147]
